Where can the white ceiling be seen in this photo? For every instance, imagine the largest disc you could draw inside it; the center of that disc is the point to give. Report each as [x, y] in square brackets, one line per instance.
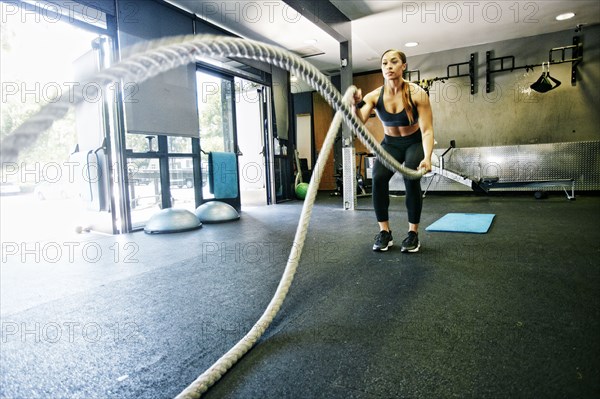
[381, 24]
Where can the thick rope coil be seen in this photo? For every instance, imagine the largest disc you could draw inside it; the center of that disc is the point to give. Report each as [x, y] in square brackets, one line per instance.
[150, 59]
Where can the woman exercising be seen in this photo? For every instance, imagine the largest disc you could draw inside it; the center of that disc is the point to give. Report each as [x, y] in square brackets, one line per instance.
[405, 113]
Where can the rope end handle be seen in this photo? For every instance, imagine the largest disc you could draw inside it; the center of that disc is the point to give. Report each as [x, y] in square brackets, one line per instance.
[349, 94]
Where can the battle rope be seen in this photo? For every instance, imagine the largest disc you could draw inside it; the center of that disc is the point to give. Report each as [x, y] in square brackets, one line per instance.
[220, 367]
[154, 57]
[160, 56]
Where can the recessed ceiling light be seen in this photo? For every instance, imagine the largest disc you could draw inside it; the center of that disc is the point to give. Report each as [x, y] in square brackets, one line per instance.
[567, 15]
[311, 41]
[411, 44]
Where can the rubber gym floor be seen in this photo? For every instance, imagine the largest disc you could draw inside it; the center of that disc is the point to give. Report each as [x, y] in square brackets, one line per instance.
[513, 313]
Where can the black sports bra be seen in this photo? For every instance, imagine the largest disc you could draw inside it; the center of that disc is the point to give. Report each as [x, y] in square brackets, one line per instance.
[399, 119]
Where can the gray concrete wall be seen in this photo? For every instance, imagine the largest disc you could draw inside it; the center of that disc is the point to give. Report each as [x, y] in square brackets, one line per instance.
[511, 114]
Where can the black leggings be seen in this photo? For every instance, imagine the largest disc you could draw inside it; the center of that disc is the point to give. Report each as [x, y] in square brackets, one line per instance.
[407, 150]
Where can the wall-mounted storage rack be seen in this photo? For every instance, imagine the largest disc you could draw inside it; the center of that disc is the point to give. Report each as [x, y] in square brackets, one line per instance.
[450, 74]
[408, 75]
[507, 63]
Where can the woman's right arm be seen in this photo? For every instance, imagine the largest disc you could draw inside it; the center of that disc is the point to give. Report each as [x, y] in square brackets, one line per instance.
[366, 104]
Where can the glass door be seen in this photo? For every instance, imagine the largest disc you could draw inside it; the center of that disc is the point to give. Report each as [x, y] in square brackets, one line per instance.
[218, 143]
[61, 182]
[251, 142]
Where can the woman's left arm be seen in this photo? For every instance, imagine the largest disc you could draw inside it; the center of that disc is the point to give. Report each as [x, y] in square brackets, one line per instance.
[425, 124]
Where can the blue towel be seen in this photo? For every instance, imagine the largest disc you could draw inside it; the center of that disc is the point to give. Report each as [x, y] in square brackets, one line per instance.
[223, 174]
[463, 223]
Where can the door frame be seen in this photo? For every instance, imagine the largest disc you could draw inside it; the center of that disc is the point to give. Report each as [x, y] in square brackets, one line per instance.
[203, 155]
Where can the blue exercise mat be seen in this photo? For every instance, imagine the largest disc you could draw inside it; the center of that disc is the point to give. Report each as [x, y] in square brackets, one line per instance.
[463, 223]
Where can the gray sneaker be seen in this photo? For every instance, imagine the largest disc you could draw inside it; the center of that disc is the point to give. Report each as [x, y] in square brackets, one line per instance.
[383, 241]
[411, 243]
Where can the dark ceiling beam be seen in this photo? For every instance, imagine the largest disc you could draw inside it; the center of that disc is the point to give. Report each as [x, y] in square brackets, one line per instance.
[325, 15]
